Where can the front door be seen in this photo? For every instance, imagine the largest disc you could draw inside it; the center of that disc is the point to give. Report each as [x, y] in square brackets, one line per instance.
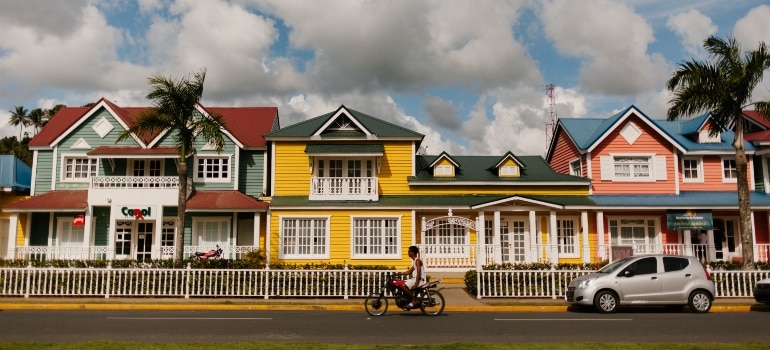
[134, 239]
[4, 238]
[144, 234]
[512, 233]
[726, 238]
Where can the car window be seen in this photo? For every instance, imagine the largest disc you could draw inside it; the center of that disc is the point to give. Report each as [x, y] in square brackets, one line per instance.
[644, 266]
[674, 263]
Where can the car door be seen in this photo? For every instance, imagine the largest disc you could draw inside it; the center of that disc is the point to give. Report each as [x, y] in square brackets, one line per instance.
[640, 282]
[676, 279]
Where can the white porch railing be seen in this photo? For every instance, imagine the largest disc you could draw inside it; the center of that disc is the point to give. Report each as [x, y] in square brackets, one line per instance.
[108, 253]
[449, 257]
[763, 252]
[344, 188]
[129, 182]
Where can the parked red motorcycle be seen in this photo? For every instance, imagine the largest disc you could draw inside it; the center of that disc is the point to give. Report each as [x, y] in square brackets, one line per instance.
[211, 254]
[431, 301]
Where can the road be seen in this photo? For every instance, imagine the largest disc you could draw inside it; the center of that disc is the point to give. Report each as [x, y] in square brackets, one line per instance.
[392, 328]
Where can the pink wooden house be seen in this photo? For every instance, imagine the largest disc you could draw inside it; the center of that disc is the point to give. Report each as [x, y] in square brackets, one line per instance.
[660, 186]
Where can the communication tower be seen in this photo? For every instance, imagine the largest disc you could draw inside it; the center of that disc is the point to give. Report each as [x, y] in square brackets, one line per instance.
[550, 115]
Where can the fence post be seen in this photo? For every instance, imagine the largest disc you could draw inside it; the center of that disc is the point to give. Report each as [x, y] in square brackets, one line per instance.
[27, 287]
[265, 286]
[187, 281]
[346, 281]
[107, 280]
[553, 282]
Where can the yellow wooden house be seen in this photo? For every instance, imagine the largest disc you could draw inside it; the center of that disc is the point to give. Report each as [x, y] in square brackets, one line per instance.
[349, 187]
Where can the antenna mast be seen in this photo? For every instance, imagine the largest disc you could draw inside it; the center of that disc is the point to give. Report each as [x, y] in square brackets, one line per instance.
[550, 115]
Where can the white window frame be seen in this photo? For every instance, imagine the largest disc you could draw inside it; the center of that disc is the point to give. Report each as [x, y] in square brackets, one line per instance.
[282, 254]
[323, 168]
[571, 250]
[726, 179]
[616, 238]
[509, 170]
[369, 237]
[698, 169]
[220, 158]
[443, 170]
[67, 225]
[90, 162]
[224, 229]
[576, 167]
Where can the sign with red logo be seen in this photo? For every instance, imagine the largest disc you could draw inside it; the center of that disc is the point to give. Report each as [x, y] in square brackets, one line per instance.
[79, 220]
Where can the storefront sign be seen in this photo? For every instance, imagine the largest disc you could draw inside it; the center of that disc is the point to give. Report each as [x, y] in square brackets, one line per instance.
[137, 213]
[690, 220]
[79, 220]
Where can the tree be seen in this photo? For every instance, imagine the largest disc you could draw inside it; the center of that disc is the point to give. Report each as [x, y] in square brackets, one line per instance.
[173, 109]
[36, 119]
[723, 86]
[19, 118]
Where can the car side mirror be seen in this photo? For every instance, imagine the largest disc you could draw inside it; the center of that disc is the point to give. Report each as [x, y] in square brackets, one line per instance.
[628, 273]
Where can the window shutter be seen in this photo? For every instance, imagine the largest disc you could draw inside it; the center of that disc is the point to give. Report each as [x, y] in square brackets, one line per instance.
[660, 168]
[608, 168]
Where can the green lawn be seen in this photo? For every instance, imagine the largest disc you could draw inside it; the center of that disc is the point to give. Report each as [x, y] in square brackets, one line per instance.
[100, 345]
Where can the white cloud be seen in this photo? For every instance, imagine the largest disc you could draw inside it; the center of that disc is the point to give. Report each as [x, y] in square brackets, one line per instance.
[753, 28]
[693, 27]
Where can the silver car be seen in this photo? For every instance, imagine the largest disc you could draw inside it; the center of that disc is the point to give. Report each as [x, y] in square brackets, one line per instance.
[670, 280]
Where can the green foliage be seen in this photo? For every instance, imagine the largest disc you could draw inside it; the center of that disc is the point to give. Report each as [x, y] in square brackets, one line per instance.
[537, 266]
[736, 265]
[470, 281]
[251, 260]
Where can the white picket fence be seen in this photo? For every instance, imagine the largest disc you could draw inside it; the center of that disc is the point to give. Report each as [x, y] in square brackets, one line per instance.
[215, 283]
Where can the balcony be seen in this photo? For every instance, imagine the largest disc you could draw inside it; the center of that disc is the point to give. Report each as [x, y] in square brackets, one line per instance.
[153, 190]
[344, 188]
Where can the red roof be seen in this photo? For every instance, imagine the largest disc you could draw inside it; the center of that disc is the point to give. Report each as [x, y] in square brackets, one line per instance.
[53, 201]
[758, 118]
[246, 124]
[229, 200]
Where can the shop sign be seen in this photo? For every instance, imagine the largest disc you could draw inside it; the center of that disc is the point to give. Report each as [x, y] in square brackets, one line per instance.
[136, 213]
[79, 220]
[689, 220]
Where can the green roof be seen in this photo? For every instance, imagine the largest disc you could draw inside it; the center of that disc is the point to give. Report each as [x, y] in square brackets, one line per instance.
[374, 125]
[482, 169]
[416, 201]
[344, 149]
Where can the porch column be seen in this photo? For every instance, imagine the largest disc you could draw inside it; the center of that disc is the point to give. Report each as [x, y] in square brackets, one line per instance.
[600, 243]
[553, 239]
[267, 239]
[534, 248]
[687, 238]
[157, 236]
[12, 233]
[111, 235]
[584, 233]
[87, 236]
[753, 238]
[257, 223]
[496, 245]
[481, 239]
[711, 252]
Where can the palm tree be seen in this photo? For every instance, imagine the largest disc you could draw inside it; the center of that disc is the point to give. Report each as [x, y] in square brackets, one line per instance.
[723, 86]
[19, 118]
[36, 118]
[173, 109]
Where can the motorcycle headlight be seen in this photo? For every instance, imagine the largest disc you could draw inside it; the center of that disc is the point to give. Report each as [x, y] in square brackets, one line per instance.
[585, 283]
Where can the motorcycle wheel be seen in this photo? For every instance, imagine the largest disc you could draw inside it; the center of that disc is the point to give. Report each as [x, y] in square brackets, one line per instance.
[376, 304]
[432, 303]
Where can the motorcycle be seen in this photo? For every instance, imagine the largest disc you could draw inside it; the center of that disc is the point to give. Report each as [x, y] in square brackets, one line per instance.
[211, 254]
[431, 301]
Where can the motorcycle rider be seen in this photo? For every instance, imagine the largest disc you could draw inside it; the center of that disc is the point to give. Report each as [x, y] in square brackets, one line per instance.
[418, 278]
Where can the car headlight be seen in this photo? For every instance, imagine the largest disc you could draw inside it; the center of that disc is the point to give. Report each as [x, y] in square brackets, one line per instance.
[586, 283]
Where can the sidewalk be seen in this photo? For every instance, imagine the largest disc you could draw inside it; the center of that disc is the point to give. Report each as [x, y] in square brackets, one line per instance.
[456, 298]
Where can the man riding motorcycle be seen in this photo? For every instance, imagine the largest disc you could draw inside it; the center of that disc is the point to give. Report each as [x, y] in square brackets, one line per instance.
[419, 277]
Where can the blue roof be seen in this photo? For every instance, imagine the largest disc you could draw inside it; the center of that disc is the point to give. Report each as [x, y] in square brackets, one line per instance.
[585, 132]
[14, 173]
[724, 199]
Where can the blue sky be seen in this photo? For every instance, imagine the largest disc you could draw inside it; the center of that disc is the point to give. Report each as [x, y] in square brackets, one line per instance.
[470, 75]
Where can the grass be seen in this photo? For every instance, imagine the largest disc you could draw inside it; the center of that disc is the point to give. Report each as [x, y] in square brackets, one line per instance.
[108, 345]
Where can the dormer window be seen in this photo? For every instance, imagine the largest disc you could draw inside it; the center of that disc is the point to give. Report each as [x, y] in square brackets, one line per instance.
[509, 171]
[705, 137]
[443, 170]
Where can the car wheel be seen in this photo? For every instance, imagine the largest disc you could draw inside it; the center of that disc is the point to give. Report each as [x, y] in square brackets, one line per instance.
[700, 302]
[606, 302]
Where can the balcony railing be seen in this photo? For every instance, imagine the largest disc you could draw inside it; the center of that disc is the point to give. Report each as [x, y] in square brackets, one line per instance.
[344, 188]
[130, 182]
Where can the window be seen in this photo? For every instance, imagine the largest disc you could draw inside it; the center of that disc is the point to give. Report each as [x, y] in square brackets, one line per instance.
[576, 168]
[78, 169]
[69, 235]
[212, 169]
[376, 238]
[443, 170]
[304, 238]
[449, 240]
[210, 231]
[509, 170]
[671, 264]
[633, 168]
[691, 170]
[638, 232]
[566, 231]
[644, 266]
[729, 170]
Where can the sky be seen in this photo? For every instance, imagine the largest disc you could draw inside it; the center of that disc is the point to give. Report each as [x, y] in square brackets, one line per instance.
[469, 75]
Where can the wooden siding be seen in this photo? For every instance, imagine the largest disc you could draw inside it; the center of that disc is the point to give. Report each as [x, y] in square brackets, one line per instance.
[21, 224]
[340, 249]
[712, 177]
[43, 172]
[396, 168]
[649, 142]
[500, 190]
[251, 172]
[564, 152]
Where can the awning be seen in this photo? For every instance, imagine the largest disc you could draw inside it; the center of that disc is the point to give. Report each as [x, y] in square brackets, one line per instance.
[224, 201]
[54, 201]
[345, 150]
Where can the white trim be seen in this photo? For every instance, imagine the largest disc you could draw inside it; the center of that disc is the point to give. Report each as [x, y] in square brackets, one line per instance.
[217, 219]
[641, 117]
[296, 256]
[342, 110]
[77, 156]
[656, 240]
[395, 255]
[580, 167]
[220, 157]
[727, 179]
[698, 169]
[575, 235]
